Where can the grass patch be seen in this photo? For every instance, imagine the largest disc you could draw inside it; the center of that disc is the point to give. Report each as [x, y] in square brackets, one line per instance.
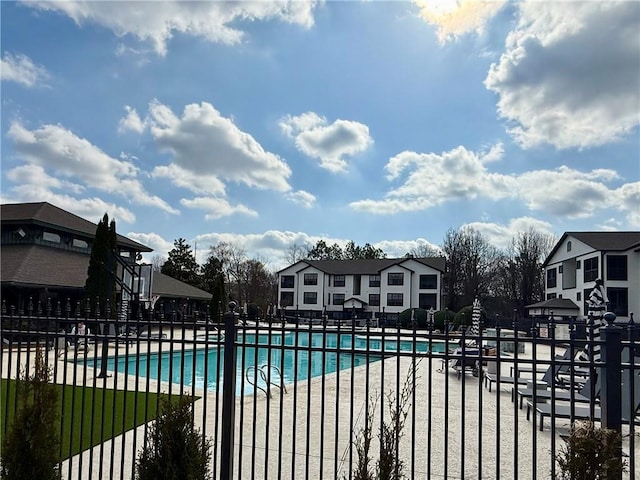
[89, 416]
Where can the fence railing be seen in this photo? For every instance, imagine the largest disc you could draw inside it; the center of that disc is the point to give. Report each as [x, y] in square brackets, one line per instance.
[278, 400]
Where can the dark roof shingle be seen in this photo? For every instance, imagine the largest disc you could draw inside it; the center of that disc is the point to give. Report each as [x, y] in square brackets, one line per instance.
[39, 266]
[368, 266]
[166, 286]
[601, 241]
[45, 214]
[36, 265]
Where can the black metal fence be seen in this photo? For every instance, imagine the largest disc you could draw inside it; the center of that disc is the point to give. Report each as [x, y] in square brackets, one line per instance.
[279, 400]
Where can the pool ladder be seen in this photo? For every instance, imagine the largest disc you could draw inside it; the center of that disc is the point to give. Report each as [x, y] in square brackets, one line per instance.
[262, 371]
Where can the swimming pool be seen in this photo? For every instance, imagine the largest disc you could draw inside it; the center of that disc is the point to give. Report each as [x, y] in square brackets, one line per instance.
[204, 366]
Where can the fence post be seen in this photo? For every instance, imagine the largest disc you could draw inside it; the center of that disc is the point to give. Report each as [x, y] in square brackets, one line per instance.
[611, 374]
[228, 393]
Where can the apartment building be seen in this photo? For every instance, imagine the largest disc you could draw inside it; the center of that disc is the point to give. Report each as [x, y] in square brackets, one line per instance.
[579, 258]
[362, 289]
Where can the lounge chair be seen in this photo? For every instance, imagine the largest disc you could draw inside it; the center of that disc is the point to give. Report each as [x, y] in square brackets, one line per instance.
[583, 395]
[491, 378]
[560, 374]
[576, 412]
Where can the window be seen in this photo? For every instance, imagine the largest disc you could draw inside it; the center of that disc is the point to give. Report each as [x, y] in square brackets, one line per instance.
[552, 279]
[310, 278]
[338, 298]
[616, 267]
[618, 301]
[428, 282]
[287, 281]
[51, 237]
[374, 299]
[578, 265]
[579, 296]
[590, 269]
[357, 280]
[374, 280]
[395, 299]
[286, 299]
[427, 300]
[560, 269]
[80, 243]
[338, 281]
[310, 298]
[569, 246]
[551, 295]
[585, 297]
[395, 279]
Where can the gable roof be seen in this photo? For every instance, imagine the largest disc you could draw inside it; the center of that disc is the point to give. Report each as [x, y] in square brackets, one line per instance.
[46, 215]
[601, 241]
[367, 266]
[40, 266]
[166, 286]
[557, 303]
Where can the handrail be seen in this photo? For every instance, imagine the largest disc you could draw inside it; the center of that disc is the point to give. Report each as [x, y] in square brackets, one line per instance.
[265, 378]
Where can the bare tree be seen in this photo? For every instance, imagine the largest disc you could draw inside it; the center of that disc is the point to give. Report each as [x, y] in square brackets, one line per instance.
[235, 267]
[296, 252]
[260, 285]
[472, 262]
[157, 261]
[424, 250]
[521, 268]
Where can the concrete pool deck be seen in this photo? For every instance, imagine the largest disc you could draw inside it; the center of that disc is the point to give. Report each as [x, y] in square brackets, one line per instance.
[307, 431]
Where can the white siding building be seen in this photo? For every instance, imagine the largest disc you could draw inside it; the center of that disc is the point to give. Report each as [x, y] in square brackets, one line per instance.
[363, 289]
[579, 258]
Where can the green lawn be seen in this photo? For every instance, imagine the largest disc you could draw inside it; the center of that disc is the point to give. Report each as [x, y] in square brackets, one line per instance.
[88, 415]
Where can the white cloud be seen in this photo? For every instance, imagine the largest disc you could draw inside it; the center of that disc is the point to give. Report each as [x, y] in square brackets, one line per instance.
[217, 207]
[68, 156]
[399, 248]
[193, 181]
[628, 199]
[205, 144]
[567, 77]
[303, 198]
[500, 235]
[152, 240]
[328, 143]
[131, 122]
[566, 192]
[157, 22]
[22, 70]
[35, 176]
[429, 179]
[32, 184]
[454, 18]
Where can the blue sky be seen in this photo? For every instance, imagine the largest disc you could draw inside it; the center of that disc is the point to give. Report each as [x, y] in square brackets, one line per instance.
[266, 124]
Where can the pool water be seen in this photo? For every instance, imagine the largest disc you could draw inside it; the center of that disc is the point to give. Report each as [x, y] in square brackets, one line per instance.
[205, 366]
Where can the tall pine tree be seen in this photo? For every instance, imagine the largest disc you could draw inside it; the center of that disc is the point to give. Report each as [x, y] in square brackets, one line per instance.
[182, 264]
[212, 281]
[100, 285]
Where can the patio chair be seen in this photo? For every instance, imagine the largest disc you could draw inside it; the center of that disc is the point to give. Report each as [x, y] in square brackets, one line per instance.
[583, 395]
[551, 375]
[577, 412]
